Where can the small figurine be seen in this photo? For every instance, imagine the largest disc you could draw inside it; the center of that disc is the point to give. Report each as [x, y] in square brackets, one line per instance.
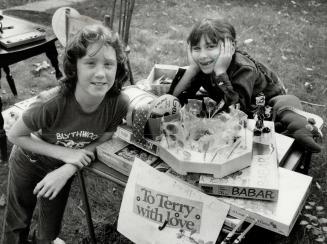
[262, 112]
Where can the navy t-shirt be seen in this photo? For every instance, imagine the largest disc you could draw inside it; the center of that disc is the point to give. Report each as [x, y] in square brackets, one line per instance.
[61, 120]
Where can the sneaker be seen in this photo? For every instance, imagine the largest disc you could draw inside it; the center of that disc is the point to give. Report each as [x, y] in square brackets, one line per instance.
[58, 241]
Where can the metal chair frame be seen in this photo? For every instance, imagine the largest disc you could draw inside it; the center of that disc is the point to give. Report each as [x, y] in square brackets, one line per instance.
[124, 17]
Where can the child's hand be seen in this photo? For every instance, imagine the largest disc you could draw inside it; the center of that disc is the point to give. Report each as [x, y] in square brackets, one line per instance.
[193, 65]
[77, 157]
[225, 57]
[53, 182]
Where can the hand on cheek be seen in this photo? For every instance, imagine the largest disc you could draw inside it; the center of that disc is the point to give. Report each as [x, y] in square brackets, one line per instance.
[193, 65]
[225, 56]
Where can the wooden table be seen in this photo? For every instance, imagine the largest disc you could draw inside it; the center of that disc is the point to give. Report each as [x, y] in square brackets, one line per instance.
[9, 56]
[291, 155]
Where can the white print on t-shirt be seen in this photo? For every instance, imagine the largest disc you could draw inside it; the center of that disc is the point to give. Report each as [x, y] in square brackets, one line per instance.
[72, 144]
[76, 139]
[79, 134]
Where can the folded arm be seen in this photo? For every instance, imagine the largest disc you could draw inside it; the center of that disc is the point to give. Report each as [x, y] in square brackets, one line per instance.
[74, 159]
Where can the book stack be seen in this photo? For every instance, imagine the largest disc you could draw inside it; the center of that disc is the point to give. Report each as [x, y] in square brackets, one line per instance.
[121, 155]
[279, 216]
[270, 195]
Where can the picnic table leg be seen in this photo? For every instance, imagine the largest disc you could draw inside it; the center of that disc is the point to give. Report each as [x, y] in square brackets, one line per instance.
[10, 80]
[87, 206]
[52, 55]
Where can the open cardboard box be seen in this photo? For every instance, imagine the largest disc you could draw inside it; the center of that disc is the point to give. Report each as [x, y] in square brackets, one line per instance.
[161, 70]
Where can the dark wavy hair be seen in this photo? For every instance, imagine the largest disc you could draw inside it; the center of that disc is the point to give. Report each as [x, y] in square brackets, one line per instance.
[213, 29]
[77, 48]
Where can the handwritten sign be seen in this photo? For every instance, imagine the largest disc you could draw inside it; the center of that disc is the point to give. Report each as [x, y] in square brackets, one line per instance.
[158, 207]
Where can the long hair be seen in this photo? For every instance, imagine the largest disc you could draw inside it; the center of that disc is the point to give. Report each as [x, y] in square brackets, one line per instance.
[214, 30]
[77, 48]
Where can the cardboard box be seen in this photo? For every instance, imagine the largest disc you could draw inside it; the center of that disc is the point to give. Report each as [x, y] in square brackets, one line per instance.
[212, 163]
[158, 71]
[259, 181]
[279, 216]
[121, 155]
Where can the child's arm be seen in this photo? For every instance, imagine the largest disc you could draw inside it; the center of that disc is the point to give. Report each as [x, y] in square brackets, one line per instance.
[189, 74]
[185, 82]
[225, 57]
[219, 77]
[243, 81]
[105, 137]
[20, 135]
[53, 182]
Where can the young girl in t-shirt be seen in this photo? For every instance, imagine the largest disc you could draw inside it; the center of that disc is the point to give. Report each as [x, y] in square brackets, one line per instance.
[58, 134]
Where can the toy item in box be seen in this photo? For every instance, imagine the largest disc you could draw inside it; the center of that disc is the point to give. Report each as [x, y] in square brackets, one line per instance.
[160, 78]
[144, 116]
[259, 181]
[218, 146]
[121, 155]
[137, 98]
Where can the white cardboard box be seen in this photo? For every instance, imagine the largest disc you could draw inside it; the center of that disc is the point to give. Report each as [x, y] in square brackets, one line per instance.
[259, 181]
[213, 163]
[279, 216]
[161, 70]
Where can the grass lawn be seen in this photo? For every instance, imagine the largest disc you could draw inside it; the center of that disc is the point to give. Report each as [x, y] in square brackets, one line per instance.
[289, 36]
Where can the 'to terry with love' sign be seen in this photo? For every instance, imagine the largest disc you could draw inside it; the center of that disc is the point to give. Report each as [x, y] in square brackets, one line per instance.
[157, 208]
[160, 207]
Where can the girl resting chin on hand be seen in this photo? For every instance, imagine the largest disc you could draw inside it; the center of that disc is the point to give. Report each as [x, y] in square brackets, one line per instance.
[231, 76]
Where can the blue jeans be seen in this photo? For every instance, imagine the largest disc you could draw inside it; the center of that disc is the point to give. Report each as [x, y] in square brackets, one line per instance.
[26, 169]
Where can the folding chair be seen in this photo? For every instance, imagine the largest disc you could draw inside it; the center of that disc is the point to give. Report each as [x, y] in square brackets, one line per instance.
[67, 21]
